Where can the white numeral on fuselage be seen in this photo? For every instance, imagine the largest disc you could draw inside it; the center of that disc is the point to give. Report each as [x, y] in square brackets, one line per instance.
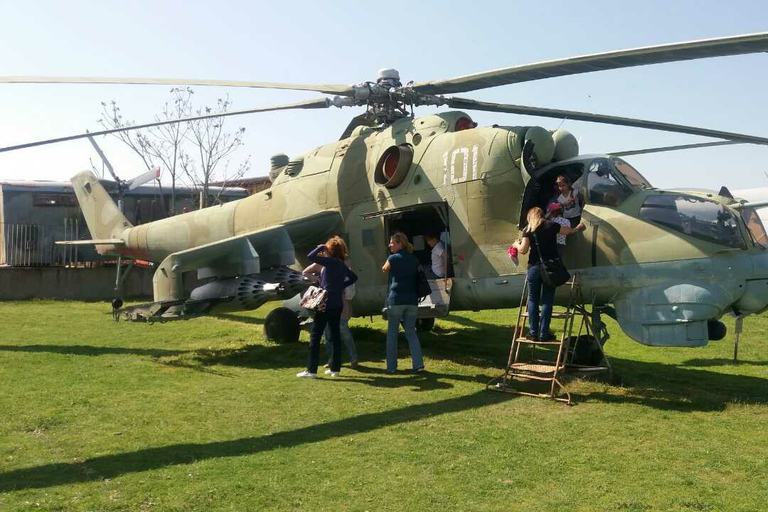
[464, 176]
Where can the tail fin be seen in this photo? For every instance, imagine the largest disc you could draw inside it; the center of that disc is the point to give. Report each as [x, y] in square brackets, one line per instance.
[104, 218]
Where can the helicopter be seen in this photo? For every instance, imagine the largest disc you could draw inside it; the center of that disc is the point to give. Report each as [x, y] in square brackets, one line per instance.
[666, 264]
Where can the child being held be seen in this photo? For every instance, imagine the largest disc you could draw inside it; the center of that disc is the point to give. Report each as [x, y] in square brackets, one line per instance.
[571, 200]
[555, 214]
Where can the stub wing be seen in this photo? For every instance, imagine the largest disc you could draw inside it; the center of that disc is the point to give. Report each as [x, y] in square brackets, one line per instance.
[250, 253]
[240, 255]
[245, 254]
[108, 241]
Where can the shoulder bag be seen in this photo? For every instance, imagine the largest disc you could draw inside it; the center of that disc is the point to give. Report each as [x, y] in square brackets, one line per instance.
[553, 271]
[423, 290]
[314, 298]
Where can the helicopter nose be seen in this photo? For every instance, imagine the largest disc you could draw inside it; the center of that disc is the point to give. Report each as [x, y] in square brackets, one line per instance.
[755, 296]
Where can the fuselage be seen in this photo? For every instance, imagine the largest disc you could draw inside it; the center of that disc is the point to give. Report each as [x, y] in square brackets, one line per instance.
[476, 173]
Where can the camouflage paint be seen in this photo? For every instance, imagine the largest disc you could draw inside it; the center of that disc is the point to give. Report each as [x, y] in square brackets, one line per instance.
[665, 285]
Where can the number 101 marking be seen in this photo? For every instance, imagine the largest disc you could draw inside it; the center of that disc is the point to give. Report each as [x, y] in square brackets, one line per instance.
[464, 176]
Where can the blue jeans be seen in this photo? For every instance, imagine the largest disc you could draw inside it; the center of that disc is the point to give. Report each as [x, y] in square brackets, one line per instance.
[538, 292]
[346, 337]
[408, 315]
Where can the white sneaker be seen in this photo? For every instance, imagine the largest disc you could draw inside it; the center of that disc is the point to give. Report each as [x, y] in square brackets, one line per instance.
[306, 375]
[332, 374]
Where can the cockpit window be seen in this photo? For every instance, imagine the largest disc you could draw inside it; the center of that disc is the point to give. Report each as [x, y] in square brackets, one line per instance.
[630, 173]
[755, 227]
[699, 218]
[602, 185]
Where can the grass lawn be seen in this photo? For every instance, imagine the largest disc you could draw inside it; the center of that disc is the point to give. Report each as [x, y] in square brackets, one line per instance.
[207, 415]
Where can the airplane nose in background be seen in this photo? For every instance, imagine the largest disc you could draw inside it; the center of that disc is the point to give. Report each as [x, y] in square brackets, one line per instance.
[755, 296]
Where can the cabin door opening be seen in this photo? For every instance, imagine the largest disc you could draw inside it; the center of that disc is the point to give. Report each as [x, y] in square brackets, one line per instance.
[417, 222]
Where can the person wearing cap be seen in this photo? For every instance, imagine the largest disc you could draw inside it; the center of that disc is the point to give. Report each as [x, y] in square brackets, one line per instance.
[555, 214]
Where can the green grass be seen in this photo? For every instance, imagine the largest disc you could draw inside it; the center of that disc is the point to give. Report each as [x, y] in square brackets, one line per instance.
[207, 415]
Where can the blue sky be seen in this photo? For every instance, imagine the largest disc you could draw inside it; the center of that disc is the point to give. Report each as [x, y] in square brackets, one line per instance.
[308, 42]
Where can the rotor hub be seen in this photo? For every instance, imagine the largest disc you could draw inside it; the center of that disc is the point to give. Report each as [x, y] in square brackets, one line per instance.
[387, 100]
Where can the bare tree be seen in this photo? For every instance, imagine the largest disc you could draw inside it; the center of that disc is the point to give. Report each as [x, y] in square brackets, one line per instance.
[167, 146]
[172, 146]
[214, 147]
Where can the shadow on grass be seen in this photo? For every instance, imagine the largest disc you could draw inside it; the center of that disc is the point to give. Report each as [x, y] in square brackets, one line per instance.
[468, 322]
[237, 318]
[485, 347]
[89, 350]
[721, 361]
[673, 387]
[425, 381]
[111, 466]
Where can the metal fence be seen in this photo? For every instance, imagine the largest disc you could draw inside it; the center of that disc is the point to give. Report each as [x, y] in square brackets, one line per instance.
[34, 245]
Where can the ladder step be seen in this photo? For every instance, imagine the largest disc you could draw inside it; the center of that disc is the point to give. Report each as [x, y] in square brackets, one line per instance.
[535, 368]
[531, 342]
[554, 315]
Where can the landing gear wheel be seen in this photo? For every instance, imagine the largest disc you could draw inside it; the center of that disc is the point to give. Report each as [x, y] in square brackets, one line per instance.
[585, 350]
[282, 326]
[425, 324]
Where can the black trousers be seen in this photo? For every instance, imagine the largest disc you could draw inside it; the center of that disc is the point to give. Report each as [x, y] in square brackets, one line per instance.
[331, 318]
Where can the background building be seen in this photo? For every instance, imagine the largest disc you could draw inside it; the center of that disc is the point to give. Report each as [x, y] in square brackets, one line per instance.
[36, 214]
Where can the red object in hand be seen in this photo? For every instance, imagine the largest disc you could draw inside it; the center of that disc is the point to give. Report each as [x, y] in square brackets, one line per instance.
[512, 252]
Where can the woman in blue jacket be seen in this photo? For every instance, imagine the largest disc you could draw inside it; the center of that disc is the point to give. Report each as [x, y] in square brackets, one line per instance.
[402, 302]
[334, 277]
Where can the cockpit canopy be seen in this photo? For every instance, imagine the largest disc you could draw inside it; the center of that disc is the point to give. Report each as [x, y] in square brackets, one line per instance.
[696, 217]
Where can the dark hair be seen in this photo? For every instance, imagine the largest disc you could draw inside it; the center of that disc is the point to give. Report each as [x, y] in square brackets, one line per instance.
[431, 234]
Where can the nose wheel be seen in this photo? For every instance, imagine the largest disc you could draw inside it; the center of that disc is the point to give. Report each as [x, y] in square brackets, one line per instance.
[425, 324]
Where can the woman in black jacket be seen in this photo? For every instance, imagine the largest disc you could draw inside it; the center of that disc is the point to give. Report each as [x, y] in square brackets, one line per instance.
[540, 237]
[334, 277]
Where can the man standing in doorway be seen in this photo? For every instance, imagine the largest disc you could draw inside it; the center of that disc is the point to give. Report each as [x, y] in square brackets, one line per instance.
[439, 256]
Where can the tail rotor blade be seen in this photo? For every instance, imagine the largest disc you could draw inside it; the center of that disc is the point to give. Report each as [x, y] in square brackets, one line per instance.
[152, 174]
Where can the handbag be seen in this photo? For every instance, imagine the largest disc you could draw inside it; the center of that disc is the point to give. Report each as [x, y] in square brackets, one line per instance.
[423, 290]
[553, 271]
[314, 298]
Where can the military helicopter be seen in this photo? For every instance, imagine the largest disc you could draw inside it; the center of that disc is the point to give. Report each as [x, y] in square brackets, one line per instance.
[671, 263]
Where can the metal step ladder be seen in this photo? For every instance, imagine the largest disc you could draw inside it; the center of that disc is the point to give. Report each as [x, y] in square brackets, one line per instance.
[547, 361]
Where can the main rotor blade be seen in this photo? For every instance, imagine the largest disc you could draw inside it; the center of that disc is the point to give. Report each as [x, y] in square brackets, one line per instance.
[719, 47]
[341, 90]
[674, 148]
[309, 104]
[467, 104]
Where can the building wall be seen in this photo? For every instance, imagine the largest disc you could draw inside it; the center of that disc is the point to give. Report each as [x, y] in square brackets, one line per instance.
[77, 283]
[2, 230]
[34, 215]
